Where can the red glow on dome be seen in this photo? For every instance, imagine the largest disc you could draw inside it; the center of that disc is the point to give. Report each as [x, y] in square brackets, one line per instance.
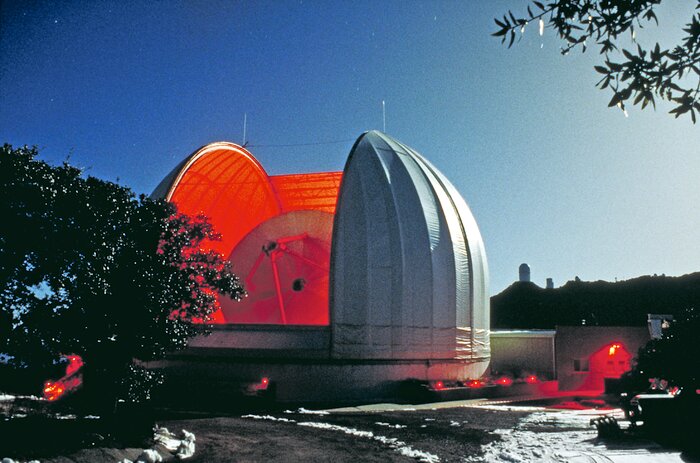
[227, 184]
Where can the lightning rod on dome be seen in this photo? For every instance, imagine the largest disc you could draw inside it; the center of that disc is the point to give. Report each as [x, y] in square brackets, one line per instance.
[383, 116]
[245, 127]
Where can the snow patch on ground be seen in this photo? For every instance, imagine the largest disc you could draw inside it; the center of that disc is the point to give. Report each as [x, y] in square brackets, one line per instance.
[567, 436]
[149, 456]
[10, 398]
[304, 411]
[182, 447]
[269, 418]
[186, 448]
[10, 460]
[388, 425]
[399, 446]
[508, 408]
[167, 439]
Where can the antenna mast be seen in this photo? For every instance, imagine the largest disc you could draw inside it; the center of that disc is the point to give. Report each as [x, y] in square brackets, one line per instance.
[384, 116]
[245, 127]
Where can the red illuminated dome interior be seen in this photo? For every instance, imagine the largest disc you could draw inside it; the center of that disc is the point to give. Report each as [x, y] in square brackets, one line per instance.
[275, 229]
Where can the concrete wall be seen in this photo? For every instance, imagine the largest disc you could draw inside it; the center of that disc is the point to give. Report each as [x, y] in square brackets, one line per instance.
[579, 343]
[518, 352]
[298, 364]
[256, 341]
[223, 379]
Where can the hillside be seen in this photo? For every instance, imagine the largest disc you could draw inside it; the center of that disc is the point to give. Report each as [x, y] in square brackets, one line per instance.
[624, 303]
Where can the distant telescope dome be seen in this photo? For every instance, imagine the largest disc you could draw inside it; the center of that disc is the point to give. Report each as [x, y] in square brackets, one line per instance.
[524, 271]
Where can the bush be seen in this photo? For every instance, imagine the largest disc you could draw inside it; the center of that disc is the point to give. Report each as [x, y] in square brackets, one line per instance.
[88, 268]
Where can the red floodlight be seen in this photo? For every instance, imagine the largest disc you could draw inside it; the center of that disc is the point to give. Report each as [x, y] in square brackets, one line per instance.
[257, 388]
[475, 383]
[439, 385]
[531, 379]
[613, 349]
[53, 390]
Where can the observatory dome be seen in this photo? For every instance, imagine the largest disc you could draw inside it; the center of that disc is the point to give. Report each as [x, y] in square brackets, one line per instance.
[408, 269]
[385, 256]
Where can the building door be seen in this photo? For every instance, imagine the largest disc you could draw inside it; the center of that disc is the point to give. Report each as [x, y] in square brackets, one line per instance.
[611, 361]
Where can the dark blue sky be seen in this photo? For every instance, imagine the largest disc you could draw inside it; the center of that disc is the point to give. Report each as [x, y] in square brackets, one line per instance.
[554, 178]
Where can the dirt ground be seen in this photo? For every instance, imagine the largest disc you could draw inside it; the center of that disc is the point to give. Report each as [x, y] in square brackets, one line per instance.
[448, 433]
[372, 434]
[444, 432]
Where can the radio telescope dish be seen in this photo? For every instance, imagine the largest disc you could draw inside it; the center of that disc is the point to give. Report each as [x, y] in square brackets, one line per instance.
[284, 264]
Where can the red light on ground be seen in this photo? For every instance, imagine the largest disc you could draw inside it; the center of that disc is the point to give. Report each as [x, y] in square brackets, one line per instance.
[71, 381]
[75, 363]
[531, 379]
[439, 385]
[53, 391]
[504, 381]
[475, 383]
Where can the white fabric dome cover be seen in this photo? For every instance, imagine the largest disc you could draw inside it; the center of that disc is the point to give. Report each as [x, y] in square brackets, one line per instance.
[409, 278]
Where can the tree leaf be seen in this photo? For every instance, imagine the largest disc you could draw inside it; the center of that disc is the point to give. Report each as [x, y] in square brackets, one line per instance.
[615, 100]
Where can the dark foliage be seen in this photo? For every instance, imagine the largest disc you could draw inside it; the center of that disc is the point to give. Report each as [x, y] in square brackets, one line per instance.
[671, 363]
[675, 357]
[639, 74]
[626, 303]
[88, 268]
